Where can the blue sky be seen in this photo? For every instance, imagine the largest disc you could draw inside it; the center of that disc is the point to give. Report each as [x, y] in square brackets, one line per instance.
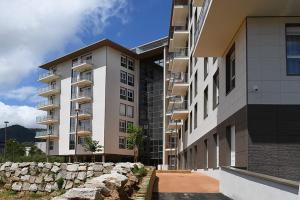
[35, 36]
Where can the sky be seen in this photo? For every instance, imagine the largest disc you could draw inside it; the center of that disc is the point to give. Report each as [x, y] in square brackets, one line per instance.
[39, 31]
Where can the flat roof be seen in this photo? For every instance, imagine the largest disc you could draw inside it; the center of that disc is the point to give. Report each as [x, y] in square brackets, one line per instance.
[89, 48]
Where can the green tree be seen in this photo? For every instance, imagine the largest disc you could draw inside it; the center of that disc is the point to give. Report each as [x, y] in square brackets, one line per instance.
[92, 146]
[14, 150]
[135, 139]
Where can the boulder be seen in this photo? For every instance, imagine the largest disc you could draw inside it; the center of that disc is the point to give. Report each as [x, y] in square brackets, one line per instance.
[14, 166]
[25, 178]
[33, 188]
[48, 178]
[5, 165]
[89, 174]
[48, 187]
[82, 168]
[81, 176]
[25, 186]
[24, 164]
[40, 165]
[98, 168]
[83, 193]
[69, 185]
[48, 165]
[24, 171]
[39, 179]
[71, 175]
[17, 186]
[72, 167]
[55, 169]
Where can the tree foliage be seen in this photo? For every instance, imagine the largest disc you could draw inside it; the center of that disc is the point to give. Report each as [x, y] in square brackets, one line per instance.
[135, 139]
[92, 146]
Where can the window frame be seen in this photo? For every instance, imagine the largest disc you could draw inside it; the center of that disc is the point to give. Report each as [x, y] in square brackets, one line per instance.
[123, 73]
[121, 128]
[51, 145]
[121, 144]
[130, 66]
[72, 138]
[127, 113]
[205, 67]
[124, 115]
[131, 83]
[125, 59]
[216, 89]
[228, 74]
[124, 97]
[205, 103]
[129, 98]
[286, 48]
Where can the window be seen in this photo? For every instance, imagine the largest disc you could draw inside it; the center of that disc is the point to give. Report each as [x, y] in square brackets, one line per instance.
[123, 77]
[191, 121]
[122, 126]
[230, 70]
[191, 37]
[123, 93]
[123, 61]
[122, 109]
[186, 124]
[71, 142]
[122, 142]
[216, 89]
[130, 79]
[195, 116]
[205, 67]
[205, 102]
[130, 95]
[191, 66]
[293, 49]
[191, 92]
[81, 140]
[196, 84]
[130, 110]
[216, 140]
[129, 124]
[214, 59]
[51, 145]
[130, 64]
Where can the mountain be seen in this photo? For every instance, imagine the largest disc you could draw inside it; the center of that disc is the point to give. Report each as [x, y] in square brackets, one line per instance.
[19, 133]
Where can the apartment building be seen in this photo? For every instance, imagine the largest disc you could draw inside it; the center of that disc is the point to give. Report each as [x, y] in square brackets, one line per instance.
[95, 89]
[232, 86]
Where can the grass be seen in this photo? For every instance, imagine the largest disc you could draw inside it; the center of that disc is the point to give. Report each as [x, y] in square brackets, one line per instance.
[139, 172]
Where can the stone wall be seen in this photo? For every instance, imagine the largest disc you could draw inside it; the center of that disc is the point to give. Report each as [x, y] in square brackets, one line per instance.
[44, 177]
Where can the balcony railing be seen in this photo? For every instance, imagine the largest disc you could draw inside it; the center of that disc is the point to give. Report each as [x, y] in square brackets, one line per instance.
[180, 2]
[85, 111]
[201, 18]
[174, 121]
[48, 103]
[46, 89]
[179, 77]
[82, 61]
[41, 119]
[48, 73]
[180, 106]
[171, 145]
[82, 94]
[82, 128]
[85, 77]
[46, 133]
[180, 52]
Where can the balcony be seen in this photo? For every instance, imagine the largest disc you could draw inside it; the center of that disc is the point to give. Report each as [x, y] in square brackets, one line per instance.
[179, 84]
[48, 77]
[46, 120]
[48, 105]
[197, 3]
[220, 20]
[83, 130]
[180, 36]
[170, 146]
[180, 12]
[82, 81]
[47, 135]
[82, 65]
[172, 100]
[174, 124]
[48, 91]
[180, 110]
[180, 60]
[83, 114]
[82, 97]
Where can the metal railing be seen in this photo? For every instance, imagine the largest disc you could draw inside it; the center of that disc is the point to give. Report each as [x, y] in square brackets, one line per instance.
[180, 2]
[200, 20]
[46, 89]
[180, 106]
[85, 111]
[82, 61]
[180, 77]
[46, 133]
[47, 103]
[45, 118]
[48, 73]
[173, 121]
[82, 94]
[180, 52]
[83, 127]
[87, 77]
[171, 145]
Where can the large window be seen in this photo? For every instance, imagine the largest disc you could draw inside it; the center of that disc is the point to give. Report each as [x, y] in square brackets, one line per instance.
[123, 61]
[195, 116]
[122, 109]
[293, 49]
[130, 111]
[216, 89]
[123, 77]
[130, 79]
[230, 70]
[122, 142]
[205, 102]
[123, 93]
[51, 145]
[71, 142]
[130, 95]
[130, 64]
[205, 65]
[122, 126]
[191, 92]
[196, 84]
[191, 122]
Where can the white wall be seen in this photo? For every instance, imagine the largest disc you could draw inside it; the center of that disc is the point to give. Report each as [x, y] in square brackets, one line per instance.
[267, 62]
[243, 187]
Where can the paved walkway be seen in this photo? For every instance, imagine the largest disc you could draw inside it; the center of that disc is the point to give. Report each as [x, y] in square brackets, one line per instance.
[171, 186]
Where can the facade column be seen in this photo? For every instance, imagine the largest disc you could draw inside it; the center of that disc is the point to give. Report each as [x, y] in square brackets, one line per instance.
[164, 109]
[103, 158]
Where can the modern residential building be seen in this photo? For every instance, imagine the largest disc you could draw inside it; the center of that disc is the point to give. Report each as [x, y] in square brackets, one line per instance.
[232, 86]
[95, 91]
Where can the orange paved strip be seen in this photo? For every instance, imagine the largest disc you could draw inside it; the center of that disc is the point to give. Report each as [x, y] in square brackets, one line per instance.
[178, 182]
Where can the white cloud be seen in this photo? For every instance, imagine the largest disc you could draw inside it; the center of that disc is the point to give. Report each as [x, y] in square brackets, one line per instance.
[31, 29]
[26, 93]
[22, 115]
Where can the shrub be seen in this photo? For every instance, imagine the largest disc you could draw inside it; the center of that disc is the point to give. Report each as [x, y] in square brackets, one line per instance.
[60, 183]
[139, 172]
